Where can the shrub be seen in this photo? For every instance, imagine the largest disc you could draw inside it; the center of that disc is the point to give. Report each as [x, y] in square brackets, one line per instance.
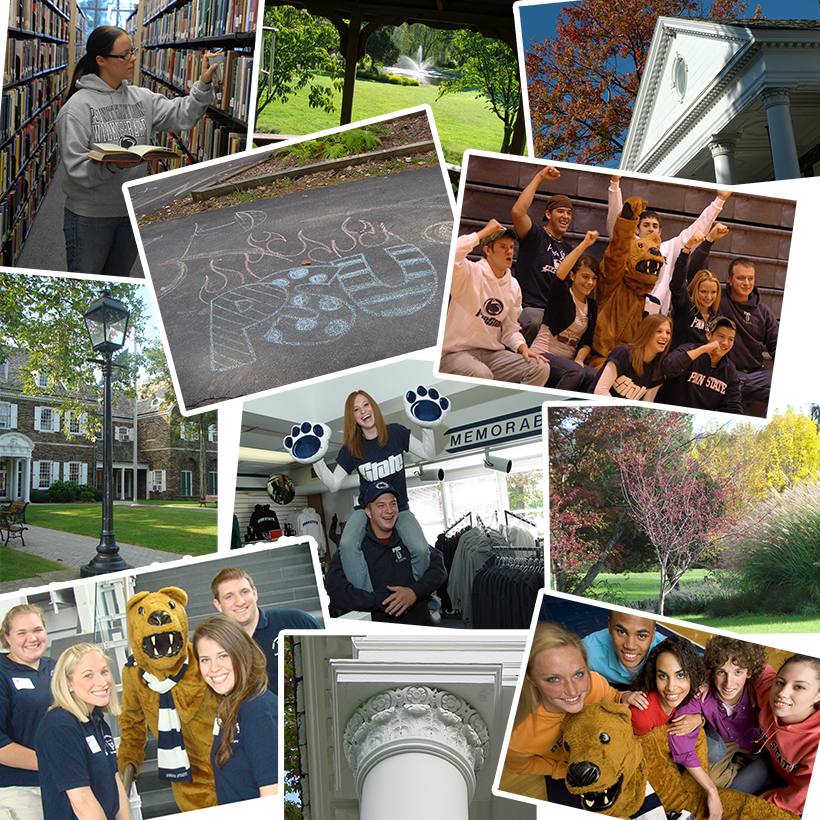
[63, 492]
[87, 494]
[695, 598]
[783, 554]
[38, 496]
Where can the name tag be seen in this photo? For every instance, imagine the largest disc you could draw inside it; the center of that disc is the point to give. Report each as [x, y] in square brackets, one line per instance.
[216, 726]
[22, 683]
[92, 744]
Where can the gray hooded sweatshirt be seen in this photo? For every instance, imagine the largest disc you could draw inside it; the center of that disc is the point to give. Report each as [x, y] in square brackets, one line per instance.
[128, 116]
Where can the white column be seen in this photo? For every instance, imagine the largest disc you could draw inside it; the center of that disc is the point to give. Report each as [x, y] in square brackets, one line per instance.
[722, 147]
[11, 478]
[415, 753]
[26, 479]
[781, 133]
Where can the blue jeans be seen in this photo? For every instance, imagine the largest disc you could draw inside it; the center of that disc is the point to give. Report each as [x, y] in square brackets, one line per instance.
[567, 374]
[99, 244]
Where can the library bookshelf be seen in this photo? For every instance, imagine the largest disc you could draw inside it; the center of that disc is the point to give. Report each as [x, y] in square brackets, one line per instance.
[45, 40]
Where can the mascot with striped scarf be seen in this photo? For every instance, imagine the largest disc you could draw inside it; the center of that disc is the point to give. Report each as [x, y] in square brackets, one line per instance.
[163, 689]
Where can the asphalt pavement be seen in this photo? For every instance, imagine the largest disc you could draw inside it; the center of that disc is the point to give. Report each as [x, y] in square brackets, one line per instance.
[294, 287]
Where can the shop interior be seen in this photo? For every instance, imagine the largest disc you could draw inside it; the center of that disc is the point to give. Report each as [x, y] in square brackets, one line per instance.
[487, 478]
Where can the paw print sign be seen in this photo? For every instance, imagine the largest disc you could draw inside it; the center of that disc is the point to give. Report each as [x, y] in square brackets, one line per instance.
[426, 406]
[308, 441]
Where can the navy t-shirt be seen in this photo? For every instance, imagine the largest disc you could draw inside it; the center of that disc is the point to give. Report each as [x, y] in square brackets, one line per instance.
[266, 635]
[72, 755]
[254, 762]
[25, 695]
[628, 384]
[380, 463]
[539, 255]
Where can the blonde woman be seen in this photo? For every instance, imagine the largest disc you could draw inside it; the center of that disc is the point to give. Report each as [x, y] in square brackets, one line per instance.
[25, 695]
[75, 750]
[557, 683]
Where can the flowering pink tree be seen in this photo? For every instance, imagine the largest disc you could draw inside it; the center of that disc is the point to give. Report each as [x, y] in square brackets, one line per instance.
[687, 509]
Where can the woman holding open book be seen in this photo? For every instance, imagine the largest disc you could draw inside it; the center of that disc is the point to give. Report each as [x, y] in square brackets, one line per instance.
[102, 106]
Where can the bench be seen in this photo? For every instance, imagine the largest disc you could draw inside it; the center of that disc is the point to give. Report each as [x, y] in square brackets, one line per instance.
[16, 511]
[12, 521]
[209, 499]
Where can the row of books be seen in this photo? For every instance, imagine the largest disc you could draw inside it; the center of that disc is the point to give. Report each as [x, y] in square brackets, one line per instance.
[181, 69]
[25, 144]
[40, 17]
[199, 18]
[21, 201]
[26, 58]
[20, 103]
[209, 138]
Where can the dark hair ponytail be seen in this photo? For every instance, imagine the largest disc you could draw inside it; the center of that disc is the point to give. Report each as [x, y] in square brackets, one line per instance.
[100, 42]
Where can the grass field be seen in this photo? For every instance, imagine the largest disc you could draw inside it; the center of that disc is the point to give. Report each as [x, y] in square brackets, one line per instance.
[638, 586]
[17, 566]
[174, 529]
[462, 120]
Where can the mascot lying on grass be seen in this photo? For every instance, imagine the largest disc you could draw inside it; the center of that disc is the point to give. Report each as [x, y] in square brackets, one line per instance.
[629, 270]
[163, 689]
[609, 767]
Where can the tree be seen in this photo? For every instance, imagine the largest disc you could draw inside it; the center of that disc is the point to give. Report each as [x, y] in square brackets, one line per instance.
[791, 449]
[305, 45]
[43, 316]
[686, 510]
[583, 81]
[589, 522]
[490, 69]
[194, 431]
[382, 48]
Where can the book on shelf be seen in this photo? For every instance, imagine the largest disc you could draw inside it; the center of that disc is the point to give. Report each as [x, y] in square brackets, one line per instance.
[111, 152]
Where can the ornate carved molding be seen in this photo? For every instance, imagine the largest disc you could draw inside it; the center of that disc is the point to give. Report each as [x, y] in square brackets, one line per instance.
[775, 96]
[417, 719]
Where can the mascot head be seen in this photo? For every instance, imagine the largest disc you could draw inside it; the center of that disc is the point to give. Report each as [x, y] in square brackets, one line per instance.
[605, 761]
[158, 630]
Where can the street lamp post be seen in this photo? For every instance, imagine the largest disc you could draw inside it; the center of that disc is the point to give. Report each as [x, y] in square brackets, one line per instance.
[107, 322]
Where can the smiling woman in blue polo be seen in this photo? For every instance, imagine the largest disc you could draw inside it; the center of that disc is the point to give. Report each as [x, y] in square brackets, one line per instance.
[75, 750]
[243, 754]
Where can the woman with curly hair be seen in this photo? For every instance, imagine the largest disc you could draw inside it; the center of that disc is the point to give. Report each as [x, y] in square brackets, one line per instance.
[728, 714]
[671, 676]
[243, 754]
[557, 683]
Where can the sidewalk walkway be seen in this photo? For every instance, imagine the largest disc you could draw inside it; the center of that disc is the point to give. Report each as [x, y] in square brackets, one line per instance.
[73, 551]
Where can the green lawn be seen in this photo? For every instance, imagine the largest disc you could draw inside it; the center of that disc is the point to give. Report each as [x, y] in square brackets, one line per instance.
[17, 566]
[761, 623]
[462, 120]
[639, 585]
[174, 529]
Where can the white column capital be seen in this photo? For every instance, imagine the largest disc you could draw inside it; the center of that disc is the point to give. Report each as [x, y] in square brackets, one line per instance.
[775, 96]
[417, 719]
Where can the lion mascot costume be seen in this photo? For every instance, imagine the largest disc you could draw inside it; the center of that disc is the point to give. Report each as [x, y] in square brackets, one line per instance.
[163, 689]
[629, 270]
[609, 768]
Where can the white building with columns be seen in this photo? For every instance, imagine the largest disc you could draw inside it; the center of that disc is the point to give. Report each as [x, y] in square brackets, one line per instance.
[728, 101]
[404, 727]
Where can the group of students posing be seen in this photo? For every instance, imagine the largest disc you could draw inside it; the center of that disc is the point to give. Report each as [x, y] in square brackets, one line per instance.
[762, 726]
[58, 759]
[698, 344]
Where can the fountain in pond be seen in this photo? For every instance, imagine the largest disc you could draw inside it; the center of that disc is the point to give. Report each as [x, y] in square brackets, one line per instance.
[422, 69]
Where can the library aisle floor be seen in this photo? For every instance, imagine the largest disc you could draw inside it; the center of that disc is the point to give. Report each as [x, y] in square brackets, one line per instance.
[45, 246]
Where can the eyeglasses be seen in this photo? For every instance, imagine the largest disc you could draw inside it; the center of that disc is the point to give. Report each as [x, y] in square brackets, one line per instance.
[127, 56]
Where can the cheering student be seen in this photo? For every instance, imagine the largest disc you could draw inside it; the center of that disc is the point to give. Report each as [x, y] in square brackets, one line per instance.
[102, 106]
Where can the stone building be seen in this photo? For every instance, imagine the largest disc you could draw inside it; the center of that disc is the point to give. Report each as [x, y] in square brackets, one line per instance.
[41, 443]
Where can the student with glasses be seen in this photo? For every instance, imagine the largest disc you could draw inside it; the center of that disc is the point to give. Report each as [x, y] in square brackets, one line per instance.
[102, 105]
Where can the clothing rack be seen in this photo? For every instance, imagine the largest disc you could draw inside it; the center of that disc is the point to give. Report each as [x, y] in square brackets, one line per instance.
[453, 526]
[508, 513]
